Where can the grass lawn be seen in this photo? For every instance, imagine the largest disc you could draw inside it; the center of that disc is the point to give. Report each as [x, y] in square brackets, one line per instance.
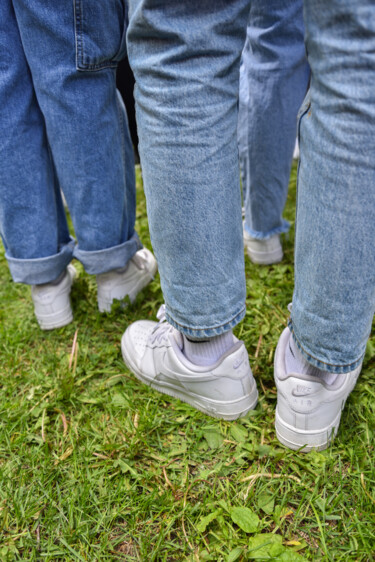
[95, 466]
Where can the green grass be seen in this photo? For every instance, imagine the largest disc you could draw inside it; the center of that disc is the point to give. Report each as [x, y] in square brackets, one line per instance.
[95, 466]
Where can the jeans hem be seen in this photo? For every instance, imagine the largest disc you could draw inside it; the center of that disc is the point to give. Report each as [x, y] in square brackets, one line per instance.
[102, 261]
[206, 332]
[323, 365]
[283, 228]
[37, 271]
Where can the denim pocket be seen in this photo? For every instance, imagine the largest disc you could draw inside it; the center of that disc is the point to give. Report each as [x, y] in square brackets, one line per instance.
[100, 33]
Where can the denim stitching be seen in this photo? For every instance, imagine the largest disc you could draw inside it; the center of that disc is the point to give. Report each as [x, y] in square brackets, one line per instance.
[282, 229]
[336, 368]
[232, 322]
[79, 43]
[77, 31]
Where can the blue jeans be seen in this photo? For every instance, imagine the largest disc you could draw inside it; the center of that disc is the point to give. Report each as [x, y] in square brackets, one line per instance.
[334, 296]
[185, 57]
[274, 76]
[63, 125]
[186, 60]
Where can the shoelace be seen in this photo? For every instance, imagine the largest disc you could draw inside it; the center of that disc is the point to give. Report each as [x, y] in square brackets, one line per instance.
[162, 329]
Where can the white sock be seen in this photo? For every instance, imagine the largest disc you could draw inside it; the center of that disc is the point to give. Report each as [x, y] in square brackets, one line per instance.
[207, 351]
[296, 363]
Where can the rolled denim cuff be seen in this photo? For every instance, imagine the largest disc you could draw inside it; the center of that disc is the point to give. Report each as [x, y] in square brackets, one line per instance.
[205, 332]
[101, 261]
[284, 227]
[41, 270]
[323, 365]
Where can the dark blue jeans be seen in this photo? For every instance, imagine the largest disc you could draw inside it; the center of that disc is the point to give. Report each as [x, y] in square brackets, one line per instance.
[63, 125]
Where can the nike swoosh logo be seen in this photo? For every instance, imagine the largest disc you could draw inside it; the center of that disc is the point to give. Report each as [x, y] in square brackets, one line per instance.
[301, 391]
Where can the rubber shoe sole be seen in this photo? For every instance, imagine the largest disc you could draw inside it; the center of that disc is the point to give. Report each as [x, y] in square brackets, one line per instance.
[306, 441]
[55, 319]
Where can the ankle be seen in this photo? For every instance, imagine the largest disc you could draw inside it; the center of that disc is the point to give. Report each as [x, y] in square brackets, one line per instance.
[205, 352]
[295, 362]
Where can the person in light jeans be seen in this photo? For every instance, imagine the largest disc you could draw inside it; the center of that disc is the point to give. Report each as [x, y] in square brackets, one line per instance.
[186, 58]
[63, 126]
[274, 76]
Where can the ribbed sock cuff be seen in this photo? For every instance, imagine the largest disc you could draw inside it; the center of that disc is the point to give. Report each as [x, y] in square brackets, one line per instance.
[296, 363]
[207, 351]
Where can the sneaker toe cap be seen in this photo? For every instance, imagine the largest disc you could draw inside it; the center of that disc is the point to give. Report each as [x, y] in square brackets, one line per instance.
[134, 341]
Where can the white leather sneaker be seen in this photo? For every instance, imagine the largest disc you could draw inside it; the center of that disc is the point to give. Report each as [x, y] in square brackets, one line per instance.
[226, 389]
[263, 252]
[128, 281]
[308, 410]
[52, 302]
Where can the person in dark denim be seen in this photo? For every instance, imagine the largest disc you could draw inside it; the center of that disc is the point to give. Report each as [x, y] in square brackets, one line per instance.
[63, 126]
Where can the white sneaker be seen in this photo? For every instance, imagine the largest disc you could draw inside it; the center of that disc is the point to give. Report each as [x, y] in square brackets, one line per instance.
[129, 281]
[264, 252]
[153, 353]
[52, 302]
[308, 410]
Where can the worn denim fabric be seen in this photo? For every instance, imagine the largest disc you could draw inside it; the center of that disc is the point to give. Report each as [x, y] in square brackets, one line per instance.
[334, 297]
[62, 125]
[185, 57]
[274, 75]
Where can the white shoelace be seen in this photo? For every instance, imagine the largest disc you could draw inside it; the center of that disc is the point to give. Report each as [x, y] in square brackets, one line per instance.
[162, 329]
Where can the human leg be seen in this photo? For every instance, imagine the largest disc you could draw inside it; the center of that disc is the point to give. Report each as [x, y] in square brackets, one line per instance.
[72, 49]
[274, 76]
[187, 119]
[185, 58]
[32, 220]
[334, 295]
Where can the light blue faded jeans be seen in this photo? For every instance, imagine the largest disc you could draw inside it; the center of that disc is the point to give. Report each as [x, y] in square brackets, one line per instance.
[186, 60]
[185, 57]
[62, 125]
[274, 76]
[334, 296]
